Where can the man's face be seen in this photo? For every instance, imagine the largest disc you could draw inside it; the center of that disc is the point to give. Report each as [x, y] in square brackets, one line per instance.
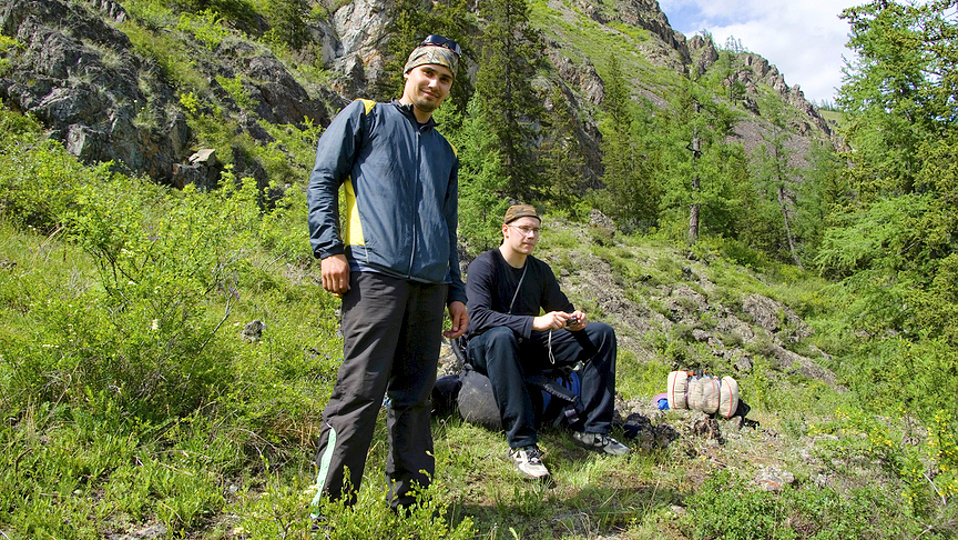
[427, 86]
[522, 235]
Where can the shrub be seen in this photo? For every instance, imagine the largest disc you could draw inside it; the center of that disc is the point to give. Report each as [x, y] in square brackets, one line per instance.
[727, 507]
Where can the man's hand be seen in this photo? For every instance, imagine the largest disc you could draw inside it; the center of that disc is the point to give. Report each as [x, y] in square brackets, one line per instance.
[556, 320]
[581, 319]
[336, 274]
[460, 320]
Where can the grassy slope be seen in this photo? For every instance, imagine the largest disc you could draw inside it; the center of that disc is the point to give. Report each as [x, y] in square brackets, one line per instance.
[241, 467]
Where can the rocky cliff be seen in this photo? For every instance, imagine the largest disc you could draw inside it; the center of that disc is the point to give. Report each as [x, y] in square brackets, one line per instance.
[77, 70]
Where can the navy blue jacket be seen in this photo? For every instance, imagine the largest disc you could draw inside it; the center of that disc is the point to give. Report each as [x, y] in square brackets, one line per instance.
[401, 184]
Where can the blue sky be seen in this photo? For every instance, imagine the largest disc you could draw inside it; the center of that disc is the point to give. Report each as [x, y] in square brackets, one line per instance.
[805, 39]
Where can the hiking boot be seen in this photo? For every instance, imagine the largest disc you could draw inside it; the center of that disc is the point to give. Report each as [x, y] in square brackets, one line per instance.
[599, 442]
[528, 460]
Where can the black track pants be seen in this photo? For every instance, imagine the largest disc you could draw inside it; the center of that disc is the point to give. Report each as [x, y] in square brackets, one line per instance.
[392, 330]
[505, 359]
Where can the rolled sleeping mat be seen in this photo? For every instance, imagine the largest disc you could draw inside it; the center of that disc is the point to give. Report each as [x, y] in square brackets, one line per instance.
[728, 404]
[704, 394]
[678, 390]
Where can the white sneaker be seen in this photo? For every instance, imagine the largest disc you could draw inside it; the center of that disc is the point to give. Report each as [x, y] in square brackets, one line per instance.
[528, 460]
[599, 442]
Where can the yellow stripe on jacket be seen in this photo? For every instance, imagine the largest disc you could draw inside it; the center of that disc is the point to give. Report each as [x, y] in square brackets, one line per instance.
[354, 227]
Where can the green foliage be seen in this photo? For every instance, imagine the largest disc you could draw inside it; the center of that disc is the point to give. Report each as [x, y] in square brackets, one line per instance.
[373, 519]
[130, 399]
[38, 178]
[8, 45]
[776, 204]
[727, 507]
[922, 473]
[481, 180]
[158, 281]
[236, 13]
[206, 26]
[153, 14]
[236, 91]
[561, 158]
[174, 59]
[287, 21]
[510, 106]
[897, 94]
[893, 219]
[116, 369]
[632, 194]
[700, 173]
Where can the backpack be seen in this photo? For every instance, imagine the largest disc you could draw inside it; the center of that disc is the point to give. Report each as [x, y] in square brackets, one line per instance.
[555, 395]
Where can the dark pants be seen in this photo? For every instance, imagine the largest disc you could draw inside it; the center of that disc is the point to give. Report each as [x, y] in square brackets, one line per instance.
[505, 359]
[392, 331]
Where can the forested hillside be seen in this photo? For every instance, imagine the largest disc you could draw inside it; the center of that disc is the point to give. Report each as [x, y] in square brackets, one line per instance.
[166, 350]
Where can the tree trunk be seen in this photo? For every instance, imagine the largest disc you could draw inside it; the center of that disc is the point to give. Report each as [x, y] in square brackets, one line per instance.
[694, 213]
[696, 186]
[788, 229]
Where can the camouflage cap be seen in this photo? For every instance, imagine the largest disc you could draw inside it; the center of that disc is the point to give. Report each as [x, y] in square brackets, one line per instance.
[430, 54]
[517, 211]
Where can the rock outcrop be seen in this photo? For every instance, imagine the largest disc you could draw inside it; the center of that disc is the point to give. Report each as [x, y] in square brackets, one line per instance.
[86, 82]
[77, 74]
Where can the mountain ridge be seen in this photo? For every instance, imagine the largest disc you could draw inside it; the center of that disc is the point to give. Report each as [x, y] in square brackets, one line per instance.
[130, 113]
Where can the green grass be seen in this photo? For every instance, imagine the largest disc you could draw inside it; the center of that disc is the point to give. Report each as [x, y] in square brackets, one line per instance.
[832, 116]
[240, 465]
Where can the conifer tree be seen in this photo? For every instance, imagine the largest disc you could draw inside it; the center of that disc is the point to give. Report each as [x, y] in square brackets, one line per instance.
[631, 196]
[481, 180]
[287, 20]
[562, 160]
[511, 52]
[893, 232]
[776, 175]
[697, 176]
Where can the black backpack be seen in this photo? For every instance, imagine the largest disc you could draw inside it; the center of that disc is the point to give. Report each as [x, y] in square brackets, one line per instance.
[555, 394]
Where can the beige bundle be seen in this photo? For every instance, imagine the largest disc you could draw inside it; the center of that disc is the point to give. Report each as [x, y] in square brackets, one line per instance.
[705, 393]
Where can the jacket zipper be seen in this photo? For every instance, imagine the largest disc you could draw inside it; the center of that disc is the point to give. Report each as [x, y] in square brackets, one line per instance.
[415, 235]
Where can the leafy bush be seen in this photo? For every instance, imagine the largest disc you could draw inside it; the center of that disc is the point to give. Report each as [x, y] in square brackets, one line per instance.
[727, 507]
[206, 26]
[38, 178]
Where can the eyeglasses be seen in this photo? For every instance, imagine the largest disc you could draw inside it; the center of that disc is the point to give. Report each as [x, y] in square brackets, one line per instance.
[435, 40]
[527, 231]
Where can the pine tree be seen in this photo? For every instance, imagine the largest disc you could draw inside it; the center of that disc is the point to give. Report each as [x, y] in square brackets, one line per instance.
[699, 164]
[562, 161]
[631, 195]
[510, 107]
[892, 234]
[776, 174]
[287, 20]
[481, 180]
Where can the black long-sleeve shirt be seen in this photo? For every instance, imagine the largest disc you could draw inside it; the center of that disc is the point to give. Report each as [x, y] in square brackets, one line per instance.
[491, 283]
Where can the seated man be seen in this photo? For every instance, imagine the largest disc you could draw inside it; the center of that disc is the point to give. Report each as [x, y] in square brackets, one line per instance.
[507, 288]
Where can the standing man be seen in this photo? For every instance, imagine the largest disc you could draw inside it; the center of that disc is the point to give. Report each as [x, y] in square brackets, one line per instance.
[395, 266]
[508, 339]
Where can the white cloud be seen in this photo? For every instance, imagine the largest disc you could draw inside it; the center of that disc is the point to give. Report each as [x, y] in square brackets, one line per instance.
[804, 39]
